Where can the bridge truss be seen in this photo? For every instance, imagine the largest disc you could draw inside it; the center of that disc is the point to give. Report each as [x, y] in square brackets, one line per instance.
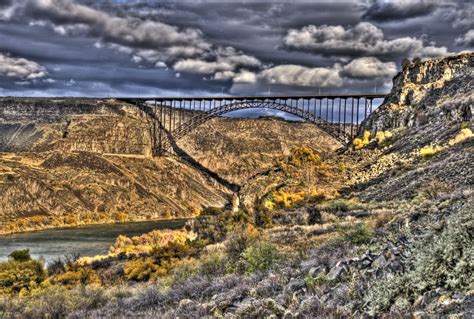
[175, 117]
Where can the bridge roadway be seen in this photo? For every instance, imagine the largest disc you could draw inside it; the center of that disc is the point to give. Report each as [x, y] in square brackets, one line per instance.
[338, 115]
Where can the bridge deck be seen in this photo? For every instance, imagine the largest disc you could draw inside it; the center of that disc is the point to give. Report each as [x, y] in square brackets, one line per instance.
[255, 97]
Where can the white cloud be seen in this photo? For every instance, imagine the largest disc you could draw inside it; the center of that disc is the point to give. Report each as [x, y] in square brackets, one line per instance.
[362, 39]
[136, 59]
[201, 67]
[369, 68]
[224, 76]
[245, 76]
[223, 61]
[144, 40]
[290, 74]
[460, 15]
[20, 68]
[67, 17]
[160, 64]
[466, 39]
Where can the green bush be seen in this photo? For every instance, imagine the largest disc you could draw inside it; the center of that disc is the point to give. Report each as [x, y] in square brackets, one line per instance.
[311, 282]
[357, 235]
[260, 257]
[213, 264]
[20, 255]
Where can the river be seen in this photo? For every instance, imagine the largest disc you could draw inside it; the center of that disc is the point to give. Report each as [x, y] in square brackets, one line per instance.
[86, 240]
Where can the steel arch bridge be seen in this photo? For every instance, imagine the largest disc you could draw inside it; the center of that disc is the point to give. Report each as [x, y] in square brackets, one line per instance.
[175, 117]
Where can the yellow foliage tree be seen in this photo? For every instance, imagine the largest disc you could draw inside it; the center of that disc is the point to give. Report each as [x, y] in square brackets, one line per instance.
[359, 143]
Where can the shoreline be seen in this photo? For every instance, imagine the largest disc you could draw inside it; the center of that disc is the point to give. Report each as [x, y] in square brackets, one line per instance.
[5, 234]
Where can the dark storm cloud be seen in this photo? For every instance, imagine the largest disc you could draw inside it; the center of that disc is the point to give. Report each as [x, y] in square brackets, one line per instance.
[383, 10]
[116, 47]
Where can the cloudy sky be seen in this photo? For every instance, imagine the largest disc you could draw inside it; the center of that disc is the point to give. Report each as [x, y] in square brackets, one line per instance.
[204, 47]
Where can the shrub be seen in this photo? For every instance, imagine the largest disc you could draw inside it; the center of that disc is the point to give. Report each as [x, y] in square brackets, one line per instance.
[383, 136]
[342, 205]
[56, 267]
[120, 217]
[416, 60]
[405, 63]
[239, 241]
[55, 302]
[359, 143]
[20, 255]
[263, 218]
[284, 199]
[357, 235]
[174, 249]
[213, 264]
[430, 150]
[81, 275]
[16, 276]
[143, 269]
[312, 282]
[260, 257]
[463, 135]
[433, 189]
[147, 243]
[214, 227]
[301, 156]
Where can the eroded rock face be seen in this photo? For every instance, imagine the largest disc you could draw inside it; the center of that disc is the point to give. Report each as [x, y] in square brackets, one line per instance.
[238, 149]
[427, 92]
[99, 126]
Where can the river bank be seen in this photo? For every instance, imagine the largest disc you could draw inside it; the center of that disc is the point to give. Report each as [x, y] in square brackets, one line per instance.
[87, 240]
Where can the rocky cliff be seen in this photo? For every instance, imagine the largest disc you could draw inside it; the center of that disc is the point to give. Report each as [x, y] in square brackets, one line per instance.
[429, 92]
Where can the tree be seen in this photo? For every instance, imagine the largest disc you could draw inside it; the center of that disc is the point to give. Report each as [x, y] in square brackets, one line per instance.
[405, 63]
[416, 60]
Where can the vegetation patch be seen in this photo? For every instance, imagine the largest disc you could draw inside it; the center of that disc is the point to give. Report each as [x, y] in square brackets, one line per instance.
[463, 135]
[443, 259]
[260, 257]
[430, 150]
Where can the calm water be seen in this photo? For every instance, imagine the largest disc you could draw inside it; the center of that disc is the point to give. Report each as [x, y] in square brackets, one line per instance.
[87, 241]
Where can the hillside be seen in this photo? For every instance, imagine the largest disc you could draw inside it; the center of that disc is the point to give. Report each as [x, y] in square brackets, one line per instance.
[81, 161]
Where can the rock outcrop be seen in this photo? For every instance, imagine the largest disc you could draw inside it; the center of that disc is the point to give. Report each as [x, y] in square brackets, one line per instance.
[428, 92]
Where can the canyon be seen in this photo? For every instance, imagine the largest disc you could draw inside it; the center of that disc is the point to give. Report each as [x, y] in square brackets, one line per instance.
[80, 161]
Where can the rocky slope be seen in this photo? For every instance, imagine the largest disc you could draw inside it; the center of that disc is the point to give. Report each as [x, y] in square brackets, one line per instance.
[73, 161]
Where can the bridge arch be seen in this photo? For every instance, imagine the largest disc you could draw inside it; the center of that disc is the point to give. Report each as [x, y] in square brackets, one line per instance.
[200, 119]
